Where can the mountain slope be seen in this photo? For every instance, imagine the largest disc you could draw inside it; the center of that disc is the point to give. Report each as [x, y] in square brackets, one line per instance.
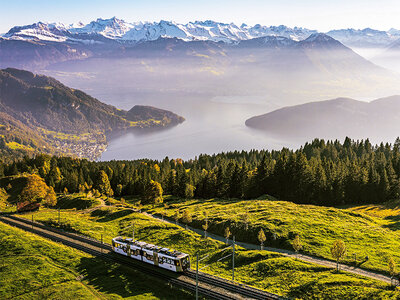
[57, 113]
[22, 53]
[334, 119]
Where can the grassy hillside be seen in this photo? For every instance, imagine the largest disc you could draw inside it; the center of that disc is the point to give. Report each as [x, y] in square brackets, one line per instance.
[34, 268]
[270, 271]
[76, 201]
[318, 227]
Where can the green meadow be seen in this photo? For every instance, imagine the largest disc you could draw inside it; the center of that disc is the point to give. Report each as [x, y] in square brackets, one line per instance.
[266, 270]
[35, 268]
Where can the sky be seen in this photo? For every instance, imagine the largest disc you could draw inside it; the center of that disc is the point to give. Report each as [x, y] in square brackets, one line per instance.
[322, 15]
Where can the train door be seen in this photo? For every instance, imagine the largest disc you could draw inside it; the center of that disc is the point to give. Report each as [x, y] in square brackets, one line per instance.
[155, 258]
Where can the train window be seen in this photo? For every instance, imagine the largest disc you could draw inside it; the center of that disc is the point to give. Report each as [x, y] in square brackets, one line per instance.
[178, 263]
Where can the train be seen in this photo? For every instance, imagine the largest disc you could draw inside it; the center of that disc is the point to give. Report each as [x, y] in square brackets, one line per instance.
[165, 258]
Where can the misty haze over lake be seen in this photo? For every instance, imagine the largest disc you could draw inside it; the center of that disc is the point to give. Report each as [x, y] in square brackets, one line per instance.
[216, 92]
[213, 123]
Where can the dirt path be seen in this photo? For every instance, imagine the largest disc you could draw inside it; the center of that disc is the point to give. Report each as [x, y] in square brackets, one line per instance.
[304, 257]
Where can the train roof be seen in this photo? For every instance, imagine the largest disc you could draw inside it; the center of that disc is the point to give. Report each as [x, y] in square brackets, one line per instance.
[151, 247]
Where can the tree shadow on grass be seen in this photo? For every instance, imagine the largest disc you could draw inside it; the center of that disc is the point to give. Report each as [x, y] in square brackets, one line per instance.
[115, 279]
[115, 215]
[395, 223]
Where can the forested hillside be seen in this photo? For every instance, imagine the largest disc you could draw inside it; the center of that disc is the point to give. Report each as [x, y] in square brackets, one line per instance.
[38, 111]
[320, 172]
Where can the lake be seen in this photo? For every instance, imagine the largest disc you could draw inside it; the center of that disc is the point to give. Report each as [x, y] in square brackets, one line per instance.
[211, 126]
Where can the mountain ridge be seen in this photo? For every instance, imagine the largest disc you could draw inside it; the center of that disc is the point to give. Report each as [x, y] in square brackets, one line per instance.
[103, 30]
[333, 119]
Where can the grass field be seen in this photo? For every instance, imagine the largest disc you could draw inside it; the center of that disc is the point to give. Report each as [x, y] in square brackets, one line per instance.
[263, 269]
[375, 236]
[35, 268]
[77, 201]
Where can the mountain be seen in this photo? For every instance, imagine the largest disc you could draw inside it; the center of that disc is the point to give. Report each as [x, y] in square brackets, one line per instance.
[390, 57]
[34, 53]
[64, 117]
[365, 38]
[117, 30]
[277, 68]
[197, 59]
[378, 120]
[103, 30]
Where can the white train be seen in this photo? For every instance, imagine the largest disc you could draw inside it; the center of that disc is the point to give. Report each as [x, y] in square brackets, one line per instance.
[161, 257]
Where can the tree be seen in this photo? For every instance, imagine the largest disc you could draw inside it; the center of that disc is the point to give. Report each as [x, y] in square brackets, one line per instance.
[392, 268]
[227, 234]
[338, 250]
[3, 198]
[118, 190]
[50, 199]
[297, 244]
[81, 188]
[189, 191]
[35, 189]
[262, 238]
[102, 184]
[245, 219]
[186, 217]
[176, 217]
[153, 193]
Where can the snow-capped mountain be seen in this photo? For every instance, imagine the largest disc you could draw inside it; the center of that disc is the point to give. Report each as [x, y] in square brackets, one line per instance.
[366, 37]
[119, 30]
[103, 30]
[295, 34]
[56, 32]
[110, 28]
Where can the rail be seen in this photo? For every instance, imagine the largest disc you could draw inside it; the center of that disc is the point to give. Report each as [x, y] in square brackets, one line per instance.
[214, 281]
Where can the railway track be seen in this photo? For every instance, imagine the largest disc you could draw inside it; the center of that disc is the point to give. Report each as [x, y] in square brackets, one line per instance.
[210, 286]
[244, 290]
